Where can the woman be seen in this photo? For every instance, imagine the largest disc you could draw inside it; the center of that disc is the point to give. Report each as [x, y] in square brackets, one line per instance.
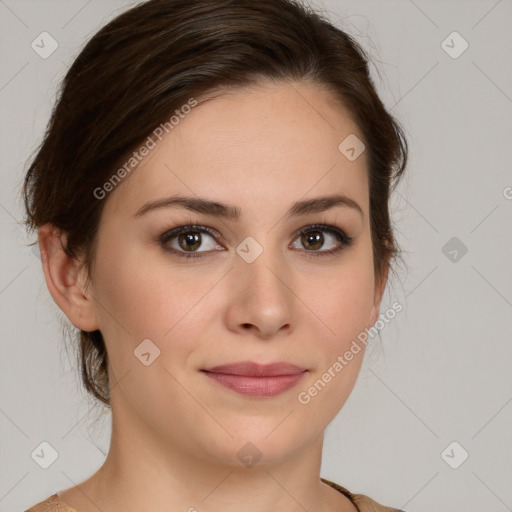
[211, 201]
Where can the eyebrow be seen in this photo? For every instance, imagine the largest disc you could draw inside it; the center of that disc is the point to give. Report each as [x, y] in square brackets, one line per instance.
[223, 210]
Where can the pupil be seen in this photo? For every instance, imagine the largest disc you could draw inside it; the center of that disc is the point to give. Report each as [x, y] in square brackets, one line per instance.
[191, 241]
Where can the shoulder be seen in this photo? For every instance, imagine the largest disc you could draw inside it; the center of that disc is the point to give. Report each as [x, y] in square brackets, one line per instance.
[363, 503]
[50, 504]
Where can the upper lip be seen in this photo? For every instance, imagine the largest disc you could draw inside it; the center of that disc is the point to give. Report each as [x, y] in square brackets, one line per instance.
[252, 369]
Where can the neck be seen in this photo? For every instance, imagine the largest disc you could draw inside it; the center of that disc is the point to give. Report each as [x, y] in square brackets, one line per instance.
[142, 471]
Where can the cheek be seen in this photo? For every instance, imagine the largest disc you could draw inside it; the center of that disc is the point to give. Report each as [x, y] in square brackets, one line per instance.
[142, 296]
[342, 298]
[344, 309]
[140, 299]
[342, 303]
[347, 307]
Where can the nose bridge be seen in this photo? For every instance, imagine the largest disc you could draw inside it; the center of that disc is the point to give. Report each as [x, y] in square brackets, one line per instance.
[259, 268]
[261, 295]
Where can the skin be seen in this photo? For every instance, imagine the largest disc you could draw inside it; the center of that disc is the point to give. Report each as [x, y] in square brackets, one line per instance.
[175, 432]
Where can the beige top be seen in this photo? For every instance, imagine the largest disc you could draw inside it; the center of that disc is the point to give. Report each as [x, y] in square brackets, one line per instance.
[361, 502]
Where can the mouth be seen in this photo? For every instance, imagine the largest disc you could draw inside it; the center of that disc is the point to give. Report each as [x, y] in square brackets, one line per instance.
[257, 380]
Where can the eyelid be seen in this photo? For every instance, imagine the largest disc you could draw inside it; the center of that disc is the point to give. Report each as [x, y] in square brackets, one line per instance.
[190, 226]
[323, 227]
[172, 233]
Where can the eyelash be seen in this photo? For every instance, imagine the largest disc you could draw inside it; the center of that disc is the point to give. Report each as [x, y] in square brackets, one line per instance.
[344, 240]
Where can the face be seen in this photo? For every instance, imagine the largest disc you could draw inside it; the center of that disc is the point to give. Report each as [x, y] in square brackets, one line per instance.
[267, 286]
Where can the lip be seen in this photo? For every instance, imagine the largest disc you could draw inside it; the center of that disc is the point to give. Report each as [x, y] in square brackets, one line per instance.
[257, 380]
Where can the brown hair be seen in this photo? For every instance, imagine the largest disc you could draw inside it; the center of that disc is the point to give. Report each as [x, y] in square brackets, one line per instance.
[152, 59]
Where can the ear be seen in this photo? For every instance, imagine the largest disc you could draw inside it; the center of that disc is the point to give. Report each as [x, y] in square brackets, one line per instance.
[380, 286]
[65, 278]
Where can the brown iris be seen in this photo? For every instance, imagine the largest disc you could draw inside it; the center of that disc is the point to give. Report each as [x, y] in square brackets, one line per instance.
[190, 240]
[314, 239]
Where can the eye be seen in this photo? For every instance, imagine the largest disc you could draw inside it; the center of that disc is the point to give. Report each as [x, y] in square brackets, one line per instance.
[186, 240]
[312, 238]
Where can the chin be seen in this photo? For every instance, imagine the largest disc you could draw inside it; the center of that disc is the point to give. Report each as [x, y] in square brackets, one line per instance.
[261, 444]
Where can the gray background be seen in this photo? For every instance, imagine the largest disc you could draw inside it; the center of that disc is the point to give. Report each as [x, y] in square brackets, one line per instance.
[442, 372]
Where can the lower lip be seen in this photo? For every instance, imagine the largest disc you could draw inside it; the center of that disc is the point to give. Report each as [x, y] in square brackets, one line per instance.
[257, 386]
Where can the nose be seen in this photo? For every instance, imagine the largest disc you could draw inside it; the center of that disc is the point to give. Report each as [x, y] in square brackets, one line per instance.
[261, 301]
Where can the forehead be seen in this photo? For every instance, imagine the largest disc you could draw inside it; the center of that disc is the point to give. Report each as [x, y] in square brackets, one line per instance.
[257, 147]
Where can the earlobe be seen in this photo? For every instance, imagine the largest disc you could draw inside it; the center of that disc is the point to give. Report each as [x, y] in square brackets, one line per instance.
[65, 279]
